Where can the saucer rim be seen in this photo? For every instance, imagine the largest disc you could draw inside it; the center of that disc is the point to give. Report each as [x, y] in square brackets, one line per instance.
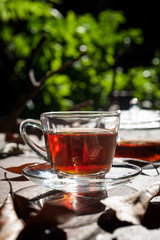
[119, 164]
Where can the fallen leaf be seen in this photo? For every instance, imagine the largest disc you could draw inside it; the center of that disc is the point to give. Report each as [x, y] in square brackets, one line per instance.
[17, 179]
[10, 224]
[88, 231]
[14, 138]
[23, 207]
[21, 218]
[11, 149]
[18, 169]
[132, 208]
[134, 232]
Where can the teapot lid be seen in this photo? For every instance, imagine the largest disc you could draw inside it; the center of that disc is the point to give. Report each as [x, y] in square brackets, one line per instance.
[137, 118]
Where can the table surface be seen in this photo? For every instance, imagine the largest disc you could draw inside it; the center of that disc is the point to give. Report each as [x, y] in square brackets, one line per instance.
[89, 210]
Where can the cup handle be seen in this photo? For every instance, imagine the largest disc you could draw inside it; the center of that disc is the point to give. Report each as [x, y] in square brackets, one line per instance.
[41, 152]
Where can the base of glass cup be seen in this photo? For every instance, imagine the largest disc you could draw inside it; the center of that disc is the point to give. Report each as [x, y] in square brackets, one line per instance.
[83, 183]
[84, 187]
[99, 175]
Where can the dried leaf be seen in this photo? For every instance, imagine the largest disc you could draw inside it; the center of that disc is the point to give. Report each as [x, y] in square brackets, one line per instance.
[10, 224]
[17, 179]
[132, 208]
[11, 149]
[18, 169]
[133, 232]
[37, 219]
[14, 138]
[22, 206]
[88, 231]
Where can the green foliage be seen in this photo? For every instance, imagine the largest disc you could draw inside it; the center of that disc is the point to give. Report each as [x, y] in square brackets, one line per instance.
[16, 10]
[94, 76]
[146, 85]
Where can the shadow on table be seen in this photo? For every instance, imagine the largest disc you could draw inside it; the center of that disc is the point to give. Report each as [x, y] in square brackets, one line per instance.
[81, 203]
[151, 219]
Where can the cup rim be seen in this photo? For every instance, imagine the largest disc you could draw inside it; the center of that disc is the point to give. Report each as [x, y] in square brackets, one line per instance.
[82, 113]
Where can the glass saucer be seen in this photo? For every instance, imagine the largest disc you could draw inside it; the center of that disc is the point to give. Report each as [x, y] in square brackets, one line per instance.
[43, 174]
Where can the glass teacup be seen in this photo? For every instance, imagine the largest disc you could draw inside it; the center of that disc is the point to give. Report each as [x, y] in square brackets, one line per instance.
[77, 144]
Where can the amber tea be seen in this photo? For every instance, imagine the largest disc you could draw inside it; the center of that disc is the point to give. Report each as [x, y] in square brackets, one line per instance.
[82, 152]
[145, 150]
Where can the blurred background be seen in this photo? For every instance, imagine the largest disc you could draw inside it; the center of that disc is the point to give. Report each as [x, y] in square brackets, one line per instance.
[84, 55]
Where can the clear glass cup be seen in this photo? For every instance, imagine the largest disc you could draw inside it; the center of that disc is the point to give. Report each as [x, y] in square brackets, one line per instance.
[77, 144]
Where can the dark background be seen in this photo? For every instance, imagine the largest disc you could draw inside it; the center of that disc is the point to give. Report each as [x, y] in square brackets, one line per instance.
[138, 14]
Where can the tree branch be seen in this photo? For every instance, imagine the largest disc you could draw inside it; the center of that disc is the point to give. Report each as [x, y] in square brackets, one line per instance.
[10, 123]
[16, 112]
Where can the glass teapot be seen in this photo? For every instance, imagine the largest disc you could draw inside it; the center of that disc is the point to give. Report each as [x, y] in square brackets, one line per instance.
[139, 134]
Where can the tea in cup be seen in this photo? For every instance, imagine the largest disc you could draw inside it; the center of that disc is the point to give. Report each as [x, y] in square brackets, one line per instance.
[77, 144]
[139, 135]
